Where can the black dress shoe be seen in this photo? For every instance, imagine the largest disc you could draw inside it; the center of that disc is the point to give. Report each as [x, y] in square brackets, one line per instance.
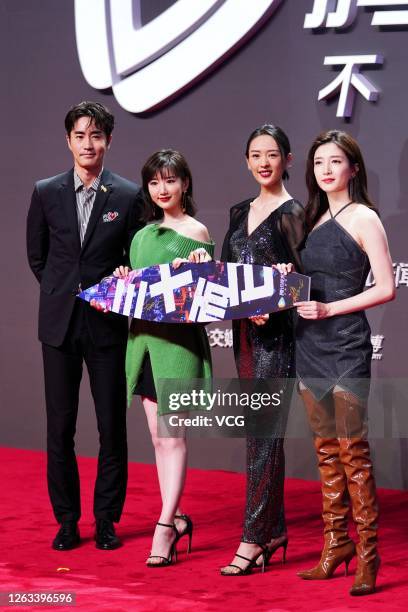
[67, 536]
[105, 536]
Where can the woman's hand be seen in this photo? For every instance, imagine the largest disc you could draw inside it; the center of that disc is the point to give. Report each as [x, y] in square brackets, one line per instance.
[313, 310]
[121, 272]
[98, 306]
[176, 263]
[199, 256]
[284, 268]
[259, 319]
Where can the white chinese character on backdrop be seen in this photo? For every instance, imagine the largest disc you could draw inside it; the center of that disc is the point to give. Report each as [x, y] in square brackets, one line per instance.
[323, 13]
[377, 342]
[349, 81]
[228, 338]
[386, 18]
[216, 337]
[342, 13]
[401, 274]
[220, 337]
[370, 282]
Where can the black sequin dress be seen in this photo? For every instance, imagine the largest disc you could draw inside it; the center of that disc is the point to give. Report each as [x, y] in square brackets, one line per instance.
[266, 352]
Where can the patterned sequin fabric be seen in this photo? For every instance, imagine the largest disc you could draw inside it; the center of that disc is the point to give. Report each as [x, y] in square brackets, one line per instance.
[266, 352]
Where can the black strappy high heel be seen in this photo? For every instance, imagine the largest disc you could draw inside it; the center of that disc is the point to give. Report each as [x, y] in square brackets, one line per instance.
[251, 563]
[272, 549]
[188, 530]
[165, 561]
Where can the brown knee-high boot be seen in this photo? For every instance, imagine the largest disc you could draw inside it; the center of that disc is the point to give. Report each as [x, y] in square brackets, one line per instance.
[355, 457]
[338, 547]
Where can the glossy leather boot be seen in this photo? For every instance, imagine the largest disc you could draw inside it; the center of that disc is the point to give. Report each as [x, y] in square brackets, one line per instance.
[338, 547]
[355, 456]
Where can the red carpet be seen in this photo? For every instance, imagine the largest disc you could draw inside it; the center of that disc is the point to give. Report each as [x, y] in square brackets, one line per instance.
[119, 581]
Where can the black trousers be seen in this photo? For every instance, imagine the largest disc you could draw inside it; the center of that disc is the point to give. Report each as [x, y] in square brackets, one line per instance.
[63, 373]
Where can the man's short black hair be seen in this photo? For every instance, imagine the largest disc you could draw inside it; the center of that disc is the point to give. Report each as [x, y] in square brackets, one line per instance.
[103, 118]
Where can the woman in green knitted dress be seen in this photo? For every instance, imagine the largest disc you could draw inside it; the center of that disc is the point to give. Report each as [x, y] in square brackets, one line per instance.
[165, 350]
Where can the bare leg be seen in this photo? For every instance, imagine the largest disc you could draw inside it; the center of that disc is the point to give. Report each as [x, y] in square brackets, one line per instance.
[171, 461]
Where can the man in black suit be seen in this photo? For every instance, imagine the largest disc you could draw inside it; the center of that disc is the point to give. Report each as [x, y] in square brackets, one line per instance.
[79, 228]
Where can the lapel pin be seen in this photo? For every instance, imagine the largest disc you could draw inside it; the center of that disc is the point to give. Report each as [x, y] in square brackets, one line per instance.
[103, 188]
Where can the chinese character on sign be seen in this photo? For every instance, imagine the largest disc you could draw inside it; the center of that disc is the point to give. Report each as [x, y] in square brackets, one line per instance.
[377, 342]
[252, 292]
[342, 13]
[168, 284]
[210, 302]
[349, 81]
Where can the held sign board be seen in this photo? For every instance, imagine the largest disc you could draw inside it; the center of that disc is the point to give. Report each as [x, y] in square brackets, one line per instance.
[199, 293]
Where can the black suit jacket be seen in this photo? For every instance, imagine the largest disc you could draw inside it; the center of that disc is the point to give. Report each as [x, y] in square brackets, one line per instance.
[62, 265]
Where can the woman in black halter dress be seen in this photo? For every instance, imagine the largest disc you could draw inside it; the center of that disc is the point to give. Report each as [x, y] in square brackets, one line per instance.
[333, 348]
[339, 268]
[265, 230]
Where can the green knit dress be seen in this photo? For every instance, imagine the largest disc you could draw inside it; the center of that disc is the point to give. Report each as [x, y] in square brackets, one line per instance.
[176, 351]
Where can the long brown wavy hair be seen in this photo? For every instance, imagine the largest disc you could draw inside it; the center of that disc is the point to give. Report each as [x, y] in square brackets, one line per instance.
[318, 202]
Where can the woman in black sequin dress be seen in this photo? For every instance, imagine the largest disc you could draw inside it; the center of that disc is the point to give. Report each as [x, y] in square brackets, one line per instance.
[333, 355]
[265, 230]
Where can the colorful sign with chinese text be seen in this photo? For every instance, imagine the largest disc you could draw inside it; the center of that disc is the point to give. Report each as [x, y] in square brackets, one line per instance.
[199, 293]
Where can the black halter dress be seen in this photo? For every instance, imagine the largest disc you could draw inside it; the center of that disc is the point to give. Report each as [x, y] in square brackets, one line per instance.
[335, 351]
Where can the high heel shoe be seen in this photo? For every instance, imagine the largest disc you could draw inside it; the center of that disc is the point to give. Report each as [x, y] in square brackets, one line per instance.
[165, 561]
[355, 455]
[243, 571]
[330, 560]
[272, 548]
[188, 529]
[366, 575]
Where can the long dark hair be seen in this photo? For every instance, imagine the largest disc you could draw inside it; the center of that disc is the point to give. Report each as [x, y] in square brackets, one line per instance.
[165, 162]
[318, 202]
[278, 135]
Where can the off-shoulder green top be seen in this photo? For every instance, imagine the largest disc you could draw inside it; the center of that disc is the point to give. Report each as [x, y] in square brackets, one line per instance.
[177, 351]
